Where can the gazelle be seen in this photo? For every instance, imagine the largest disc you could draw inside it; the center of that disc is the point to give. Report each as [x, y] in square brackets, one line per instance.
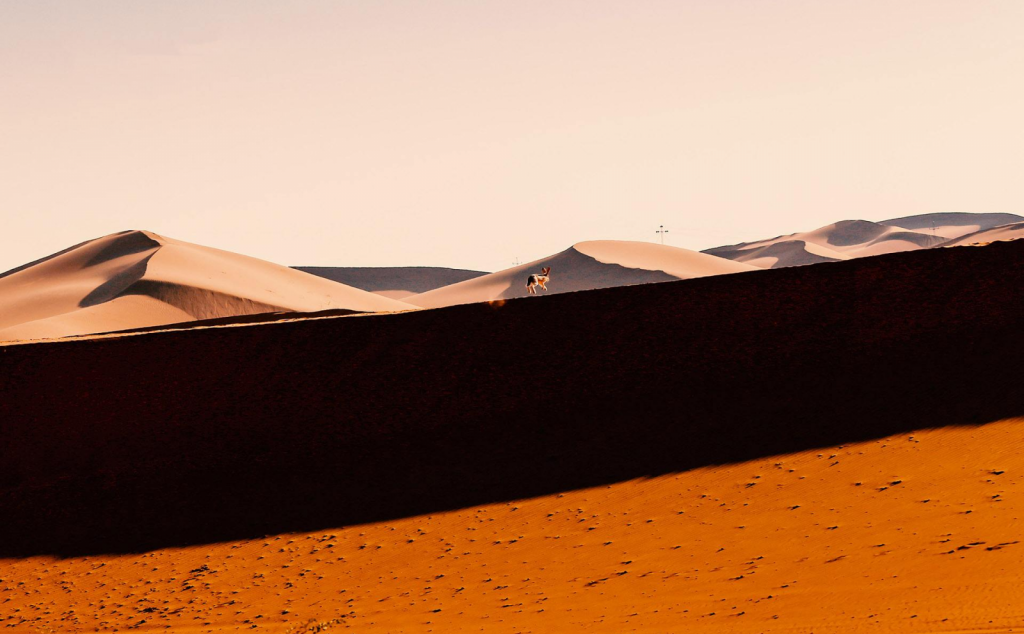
[538, 279]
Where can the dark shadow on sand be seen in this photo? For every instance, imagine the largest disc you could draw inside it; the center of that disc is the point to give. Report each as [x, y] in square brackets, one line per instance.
[134, 443]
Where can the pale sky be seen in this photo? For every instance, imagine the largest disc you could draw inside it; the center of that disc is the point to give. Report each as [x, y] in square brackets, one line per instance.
[468, 133]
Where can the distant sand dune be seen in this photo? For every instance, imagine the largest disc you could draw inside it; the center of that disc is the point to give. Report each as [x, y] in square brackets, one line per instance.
[137, 279]
[849, 239]
[840, 241]
[396, 282]
[1014, 231]
[952, 224]
[586, 266]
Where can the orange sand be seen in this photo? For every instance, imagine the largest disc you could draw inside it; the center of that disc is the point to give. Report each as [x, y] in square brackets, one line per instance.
[913, 533]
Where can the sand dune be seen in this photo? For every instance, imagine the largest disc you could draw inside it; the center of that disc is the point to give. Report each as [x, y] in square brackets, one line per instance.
[826, 449]
[396, 282]
[1013, 231]
[952, 224]
[784, 253]
[586, 266]
[138, 278]
[851, 239]
[843, 240]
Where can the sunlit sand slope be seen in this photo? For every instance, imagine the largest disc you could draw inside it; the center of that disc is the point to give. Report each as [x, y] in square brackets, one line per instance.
[1013, 231]
[586, 266]
[918, 532]
[952, 224]
[849, 239]
[136, 279]
[843, 240]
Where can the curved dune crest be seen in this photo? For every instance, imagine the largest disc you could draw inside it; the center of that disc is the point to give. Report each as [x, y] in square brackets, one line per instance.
[137, 279]
[843, 240]
[787, 253]
[849, 239]
[1013, 231]
[952, 225]
[586, 266]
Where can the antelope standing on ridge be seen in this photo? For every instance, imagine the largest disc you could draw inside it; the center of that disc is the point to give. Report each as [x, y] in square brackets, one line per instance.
[538, 279]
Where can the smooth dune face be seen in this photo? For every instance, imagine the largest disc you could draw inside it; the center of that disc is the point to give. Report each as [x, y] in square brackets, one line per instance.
[1014, 231]
[953, 224]
[586, 266]
[850, 239]
[138, 278]
[843, 240]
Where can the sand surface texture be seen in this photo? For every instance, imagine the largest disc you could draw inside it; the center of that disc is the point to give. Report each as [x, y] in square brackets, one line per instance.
[138, 278]
[850, 239]
[586, 266]
[823, 449]
[918, 532]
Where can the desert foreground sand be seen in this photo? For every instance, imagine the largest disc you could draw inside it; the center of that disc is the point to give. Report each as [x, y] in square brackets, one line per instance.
[918, 532]
[826, 449]
[136, 279]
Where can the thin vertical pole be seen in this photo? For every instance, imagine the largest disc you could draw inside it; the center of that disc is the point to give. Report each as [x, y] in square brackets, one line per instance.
[661, 232]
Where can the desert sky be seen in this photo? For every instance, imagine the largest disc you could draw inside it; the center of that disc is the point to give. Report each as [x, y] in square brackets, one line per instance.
[470, 134]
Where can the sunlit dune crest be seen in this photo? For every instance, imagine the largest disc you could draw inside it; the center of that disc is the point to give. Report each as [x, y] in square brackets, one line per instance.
[850, 239]
[138, 278]
[1013, 231]
[586, 266]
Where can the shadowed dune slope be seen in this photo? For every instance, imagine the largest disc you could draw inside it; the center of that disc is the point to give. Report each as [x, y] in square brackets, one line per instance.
[786, 253]
[396, 282]
[585, 266]
[916, 532]
[952, 224]
[849, 239]
[1013, 231]
[843, 240]
[138, 279]
[148, 440]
